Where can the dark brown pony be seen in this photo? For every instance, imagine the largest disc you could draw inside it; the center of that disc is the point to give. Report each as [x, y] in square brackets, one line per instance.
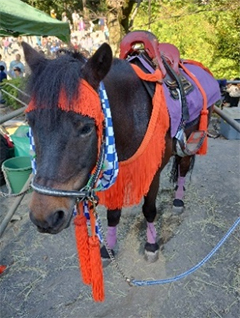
[67, 142]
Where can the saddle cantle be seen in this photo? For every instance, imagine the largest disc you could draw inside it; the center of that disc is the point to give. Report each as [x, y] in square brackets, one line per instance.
[164, 56]
[152, 47]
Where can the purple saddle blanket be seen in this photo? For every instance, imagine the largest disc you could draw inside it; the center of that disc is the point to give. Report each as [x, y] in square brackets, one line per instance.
[194, 98]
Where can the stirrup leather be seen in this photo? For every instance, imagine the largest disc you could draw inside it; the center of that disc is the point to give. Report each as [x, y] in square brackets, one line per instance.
[188, 147]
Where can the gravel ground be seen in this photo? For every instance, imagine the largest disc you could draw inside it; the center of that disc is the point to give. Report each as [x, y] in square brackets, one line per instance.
[42, 277]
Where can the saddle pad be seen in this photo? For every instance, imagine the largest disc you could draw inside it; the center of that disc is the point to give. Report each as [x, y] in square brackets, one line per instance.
[194, 99]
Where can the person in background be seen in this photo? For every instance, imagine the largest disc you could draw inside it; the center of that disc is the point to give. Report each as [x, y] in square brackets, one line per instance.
[75, 20]
[3, 74]
[6, 44]
[91, 26]
[3, 63]
[53, 14]
[233, 94]
[17, 72]
[16, 63]
[101, 23]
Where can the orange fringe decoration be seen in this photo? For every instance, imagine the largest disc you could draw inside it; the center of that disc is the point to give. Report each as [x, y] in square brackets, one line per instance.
[96, 267]
[95, 261]
[203, 125]
[89, 253]
[136, 174]
[81, 234]
[87, 103]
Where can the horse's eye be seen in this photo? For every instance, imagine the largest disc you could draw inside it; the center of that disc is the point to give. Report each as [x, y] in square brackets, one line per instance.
[85, 130]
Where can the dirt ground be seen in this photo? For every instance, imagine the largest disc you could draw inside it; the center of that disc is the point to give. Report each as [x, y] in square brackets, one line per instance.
[42, 279]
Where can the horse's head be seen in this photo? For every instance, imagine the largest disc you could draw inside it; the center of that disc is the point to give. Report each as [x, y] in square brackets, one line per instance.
[65, 117]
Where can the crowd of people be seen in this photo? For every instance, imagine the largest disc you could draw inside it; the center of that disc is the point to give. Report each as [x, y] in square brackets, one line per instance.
[86, 37]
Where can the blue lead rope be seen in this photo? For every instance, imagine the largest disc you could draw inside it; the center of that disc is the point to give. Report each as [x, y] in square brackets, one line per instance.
[191, 270]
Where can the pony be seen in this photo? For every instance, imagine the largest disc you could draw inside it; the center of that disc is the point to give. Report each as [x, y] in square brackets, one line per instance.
[66, 120]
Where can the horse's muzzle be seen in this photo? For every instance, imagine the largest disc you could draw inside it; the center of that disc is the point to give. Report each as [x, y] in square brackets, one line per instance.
[54, 223]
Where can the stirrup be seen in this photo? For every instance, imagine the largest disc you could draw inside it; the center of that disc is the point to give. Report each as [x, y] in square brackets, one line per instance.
[192, 145]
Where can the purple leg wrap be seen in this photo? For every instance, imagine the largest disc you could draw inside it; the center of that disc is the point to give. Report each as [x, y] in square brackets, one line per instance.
[151, 233]
[180, 190]
[111, 236]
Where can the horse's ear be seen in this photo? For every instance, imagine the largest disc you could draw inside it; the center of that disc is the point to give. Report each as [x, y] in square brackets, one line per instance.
[98, 65]
[35, 60]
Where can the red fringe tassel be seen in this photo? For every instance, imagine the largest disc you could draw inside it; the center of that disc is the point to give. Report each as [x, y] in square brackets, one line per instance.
[136, 174]
[89, 254]
[203, 125]
[96, 268]
[81, 234]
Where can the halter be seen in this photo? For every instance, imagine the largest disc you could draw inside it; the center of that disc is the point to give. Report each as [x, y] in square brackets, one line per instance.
[86, 193]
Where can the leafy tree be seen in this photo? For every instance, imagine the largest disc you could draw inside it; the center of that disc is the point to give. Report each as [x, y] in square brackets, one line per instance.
[207, 31]
[204, 30]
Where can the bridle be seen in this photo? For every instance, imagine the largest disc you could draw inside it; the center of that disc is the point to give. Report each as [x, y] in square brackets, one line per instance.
[106, 168]
[86, 193]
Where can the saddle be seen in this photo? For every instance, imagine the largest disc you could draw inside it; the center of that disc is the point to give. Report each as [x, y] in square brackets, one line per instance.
[166, 57]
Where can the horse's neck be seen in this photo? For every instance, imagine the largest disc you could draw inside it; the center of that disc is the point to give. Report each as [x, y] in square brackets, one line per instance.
[130, 106]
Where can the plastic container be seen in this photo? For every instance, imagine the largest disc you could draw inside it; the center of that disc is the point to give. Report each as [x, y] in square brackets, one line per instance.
[17, 172]
[227, 130]
[21, 141]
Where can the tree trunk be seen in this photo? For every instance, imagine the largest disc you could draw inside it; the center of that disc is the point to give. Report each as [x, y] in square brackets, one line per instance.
[118, 21]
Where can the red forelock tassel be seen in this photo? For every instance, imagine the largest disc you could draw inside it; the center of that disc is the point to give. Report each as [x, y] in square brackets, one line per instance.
[82, 242]
[97, 270]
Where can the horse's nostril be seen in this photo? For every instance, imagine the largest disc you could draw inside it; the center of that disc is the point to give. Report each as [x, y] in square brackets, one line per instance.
[57, 218]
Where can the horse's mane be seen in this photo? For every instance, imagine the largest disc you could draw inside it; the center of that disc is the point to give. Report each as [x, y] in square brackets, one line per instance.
[63, 72]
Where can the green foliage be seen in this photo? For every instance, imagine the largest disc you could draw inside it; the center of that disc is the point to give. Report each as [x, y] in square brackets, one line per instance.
[67, 5]
[203, 30]
[20, 83]
[208, 32]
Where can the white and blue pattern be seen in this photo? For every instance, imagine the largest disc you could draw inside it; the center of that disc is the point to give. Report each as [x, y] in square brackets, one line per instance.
[110, 167]
[32, 152]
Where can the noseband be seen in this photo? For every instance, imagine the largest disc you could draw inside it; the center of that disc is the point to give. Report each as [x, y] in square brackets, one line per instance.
[86, 193]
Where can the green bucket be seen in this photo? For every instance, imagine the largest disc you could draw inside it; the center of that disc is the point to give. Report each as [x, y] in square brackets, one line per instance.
[17, 171]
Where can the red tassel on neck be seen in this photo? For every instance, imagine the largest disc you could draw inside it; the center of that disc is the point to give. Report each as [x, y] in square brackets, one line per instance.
[95, 261]
[81, 234]
[89, 253]
[97, 270]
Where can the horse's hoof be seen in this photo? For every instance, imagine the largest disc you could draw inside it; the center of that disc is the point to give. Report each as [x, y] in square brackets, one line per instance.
[178, 206]
[151, 252]
[106, 260]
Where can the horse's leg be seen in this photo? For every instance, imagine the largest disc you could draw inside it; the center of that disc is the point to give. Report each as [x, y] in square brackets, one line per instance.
[150, 211]
[183, 165]
[113, 217]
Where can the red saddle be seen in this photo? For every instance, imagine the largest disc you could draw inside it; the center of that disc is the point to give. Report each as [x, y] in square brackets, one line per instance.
[154, 49]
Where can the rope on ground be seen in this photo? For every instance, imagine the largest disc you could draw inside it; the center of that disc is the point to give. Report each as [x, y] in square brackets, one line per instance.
[191, 270]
